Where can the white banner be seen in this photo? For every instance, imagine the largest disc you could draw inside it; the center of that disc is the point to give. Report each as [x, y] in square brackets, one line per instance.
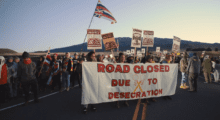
[176, 44]
[143, 50]
[148, 38]
[106, 82]
[136, 38]
[94, 39]
[157, 49]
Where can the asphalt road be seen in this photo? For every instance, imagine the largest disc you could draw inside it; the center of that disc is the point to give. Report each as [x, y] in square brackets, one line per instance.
[202, 105]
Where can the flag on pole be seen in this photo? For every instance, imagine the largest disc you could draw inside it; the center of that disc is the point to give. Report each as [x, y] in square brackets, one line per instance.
[102, 12]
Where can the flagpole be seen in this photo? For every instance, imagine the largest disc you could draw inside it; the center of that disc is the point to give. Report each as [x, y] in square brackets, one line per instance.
[88, 28]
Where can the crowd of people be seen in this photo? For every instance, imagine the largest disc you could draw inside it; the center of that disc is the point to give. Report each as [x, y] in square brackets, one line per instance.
[53, 71]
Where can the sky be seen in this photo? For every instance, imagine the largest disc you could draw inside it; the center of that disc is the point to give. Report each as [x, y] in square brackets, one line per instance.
[36, 25]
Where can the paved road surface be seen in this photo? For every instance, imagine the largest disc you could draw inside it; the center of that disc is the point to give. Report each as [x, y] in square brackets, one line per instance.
[203, 105]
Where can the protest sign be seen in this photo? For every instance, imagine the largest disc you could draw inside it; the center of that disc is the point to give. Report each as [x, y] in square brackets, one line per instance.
[132, 51]
[108, 82]
[138, 52]
[148, 38]
[128, 52]
[165, 52]
[109, 41]
[94, 39]
[143, 50]
[157, 49]
[176, 44]
[136, 38]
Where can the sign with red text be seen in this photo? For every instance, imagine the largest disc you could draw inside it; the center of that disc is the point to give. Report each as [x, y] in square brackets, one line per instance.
[143, 50]
[106, 82]
[176, 44]
[132, 51]
[94, 39]
[109, 41]
[136, 38]
[148, 38]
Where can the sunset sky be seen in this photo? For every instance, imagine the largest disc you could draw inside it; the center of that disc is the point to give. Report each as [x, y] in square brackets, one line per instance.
[36, 25]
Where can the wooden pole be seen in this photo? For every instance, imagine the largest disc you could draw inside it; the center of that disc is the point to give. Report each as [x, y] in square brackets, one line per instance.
[88, 28]
[134, 54]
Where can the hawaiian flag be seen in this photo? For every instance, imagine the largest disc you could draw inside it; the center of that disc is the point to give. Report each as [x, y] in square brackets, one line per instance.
[102, 12]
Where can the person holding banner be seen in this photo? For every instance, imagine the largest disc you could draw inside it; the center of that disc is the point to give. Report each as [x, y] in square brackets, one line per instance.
[90, 58]
[167, 61]
[121, 60]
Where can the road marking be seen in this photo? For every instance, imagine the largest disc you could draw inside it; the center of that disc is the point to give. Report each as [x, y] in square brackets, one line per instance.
[136, 110]
[31, 100]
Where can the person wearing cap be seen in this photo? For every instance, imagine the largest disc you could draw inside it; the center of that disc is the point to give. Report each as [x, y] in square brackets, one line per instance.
[130, 59]
[26, 74]
[3, 80]
[193, 69]
[10, 65]
[90, 58]
[68, 63]
[55, 69]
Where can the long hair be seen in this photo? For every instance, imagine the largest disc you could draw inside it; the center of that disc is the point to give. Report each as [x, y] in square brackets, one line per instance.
[88, 56]
[119, 58]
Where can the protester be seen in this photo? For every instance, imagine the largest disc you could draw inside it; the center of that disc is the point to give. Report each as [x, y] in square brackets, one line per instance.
[167, 60]
[99, 58]
[121, 60]
[75, 75]
[10, 65]
[148, 59]
[68, 63]
[26, 74]
[3, 80]
[65, 77]
[183, 66]
[130, 59]
[79, 72]
[55, 65]
[207, 69]
[15, 78]
[215, 71]
[43, 75]
[193, 69]
[90, 58]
